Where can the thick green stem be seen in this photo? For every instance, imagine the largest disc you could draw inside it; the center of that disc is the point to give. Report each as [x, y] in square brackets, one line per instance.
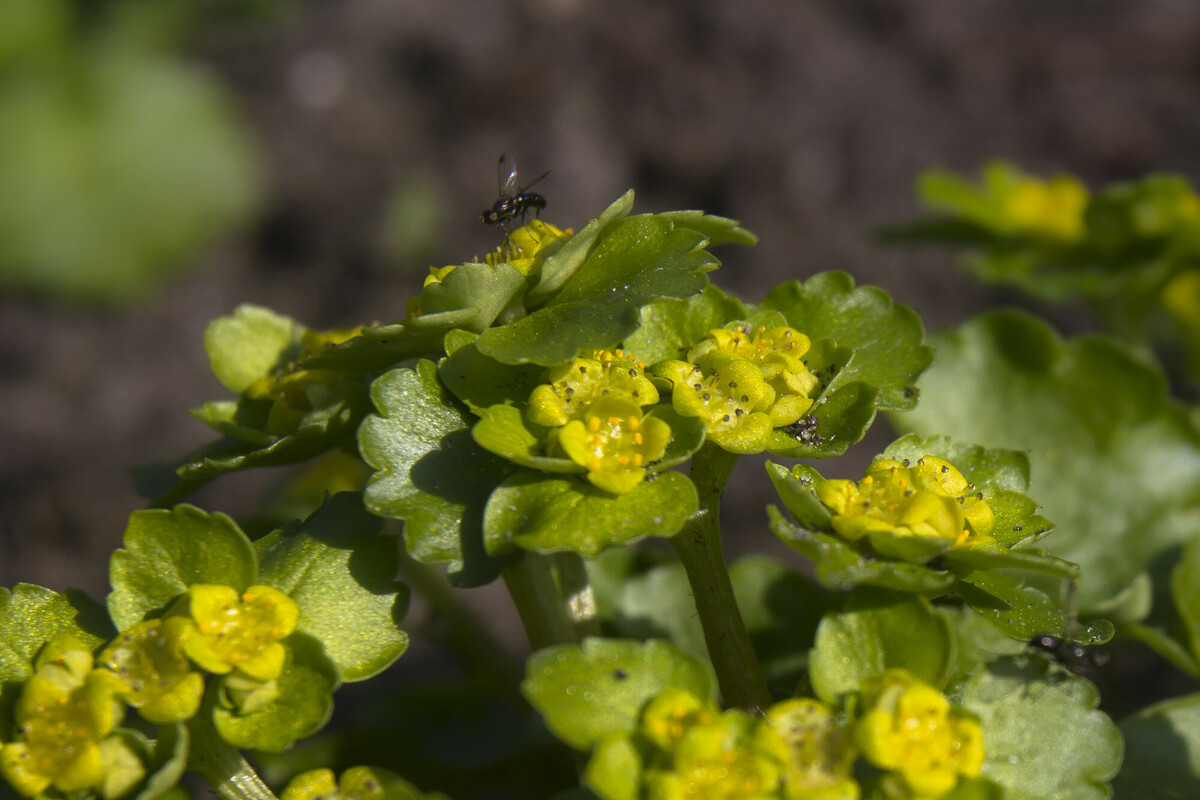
[543, 612]
[698, 546]
[221, 765]
[576, 589]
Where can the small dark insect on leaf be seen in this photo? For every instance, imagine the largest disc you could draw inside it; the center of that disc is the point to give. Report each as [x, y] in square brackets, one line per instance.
[1072, 655]
[620, 674]
[514, 201]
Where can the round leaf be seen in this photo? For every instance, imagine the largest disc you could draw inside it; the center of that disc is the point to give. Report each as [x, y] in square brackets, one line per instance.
[550, 515]
[430, 473]
[878, 631]
[301, 708]
[1162, 751]
[1042, 733]
[166, 551]
[587, 691]
[340, 573]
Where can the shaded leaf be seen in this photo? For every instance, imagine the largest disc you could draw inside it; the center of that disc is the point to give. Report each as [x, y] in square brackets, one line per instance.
[430, 473]
[1162, 751]
[340, 573]
[31, 615]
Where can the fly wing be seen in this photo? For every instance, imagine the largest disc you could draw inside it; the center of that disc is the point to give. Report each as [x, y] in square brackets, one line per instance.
[529, 185]
[506, 175]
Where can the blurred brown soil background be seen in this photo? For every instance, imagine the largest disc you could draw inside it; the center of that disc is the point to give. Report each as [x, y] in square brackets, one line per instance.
[379, 123]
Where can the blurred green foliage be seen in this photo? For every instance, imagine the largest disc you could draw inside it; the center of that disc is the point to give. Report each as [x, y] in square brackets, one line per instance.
[119, 161]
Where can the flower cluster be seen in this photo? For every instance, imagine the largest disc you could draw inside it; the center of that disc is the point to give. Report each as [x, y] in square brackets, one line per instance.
[929, 498]
[1053, 209]
[356, 783]
[593, 405]
[800, 749]
[689, 748]
[742, 382]
[69, 709]
[66, 719]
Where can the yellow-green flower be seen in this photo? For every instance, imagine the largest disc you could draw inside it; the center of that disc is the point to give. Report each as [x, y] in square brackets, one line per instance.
[820, 758]
[570, 388]
[65, 713]
[670, 713]
[724, 759]
[240, 633]
[357, 783]
[153, 673]
[778, 353]
[730, 396]
[910, 729]
[527, 247]
[929, 498]
[615, 442]
[1053, 208]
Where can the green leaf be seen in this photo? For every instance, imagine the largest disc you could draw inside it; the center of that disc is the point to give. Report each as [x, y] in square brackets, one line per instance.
[1114, 462]
[551, 515]
[886, 337]
[430, 473]
[1042, 733]
[31, 615]
[587, 691]
[340, 573]
[251, 344]
[97, 202]
[718, 230]
[1023, 611]
[841, 566]
[1162, 751]
[669, 328]
[301, 708]
[562, 264]
[503, 430]
[166, 551]
[637, 261]
[795, 490]
[480, 382]
[839, 418]
[1185, 590]
[167, 762]
[381, 347]
[486, 288]
[878, 631]
[614, 771]
[320, 429]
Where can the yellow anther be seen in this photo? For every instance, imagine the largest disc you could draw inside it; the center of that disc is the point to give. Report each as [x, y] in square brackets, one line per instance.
[623, 461]
[593, 424]
[637, 438]
[614, 421]
[633, 423]
[638, 460]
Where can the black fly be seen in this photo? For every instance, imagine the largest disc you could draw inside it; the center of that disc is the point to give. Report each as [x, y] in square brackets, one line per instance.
[1064, 649]
[514, 201]
[1071, 655]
